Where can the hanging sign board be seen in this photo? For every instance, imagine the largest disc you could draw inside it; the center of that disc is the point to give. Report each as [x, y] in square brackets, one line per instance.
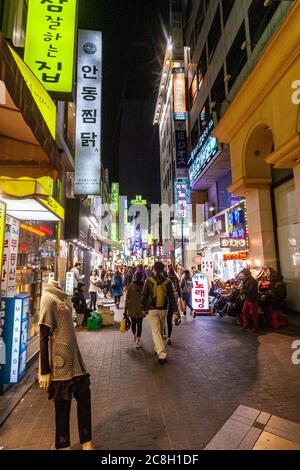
[88, 114]
[200, 291]
[50, 42]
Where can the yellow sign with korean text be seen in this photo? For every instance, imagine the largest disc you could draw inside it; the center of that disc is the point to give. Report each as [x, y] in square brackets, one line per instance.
[39, 94]
[53, 207]
[2, 231]
[50, 41]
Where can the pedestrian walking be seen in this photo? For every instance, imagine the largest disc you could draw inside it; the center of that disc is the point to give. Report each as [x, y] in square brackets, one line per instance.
[133, 307]
[177, 293]
[186, 286]
[250, 309]
[157, 297]
[93, 289]
[77, 276]
[62, 371]
[117, 287]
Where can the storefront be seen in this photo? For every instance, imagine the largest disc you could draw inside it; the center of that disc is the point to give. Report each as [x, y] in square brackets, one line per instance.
[224, 249]
[30, 244]
[264, 140]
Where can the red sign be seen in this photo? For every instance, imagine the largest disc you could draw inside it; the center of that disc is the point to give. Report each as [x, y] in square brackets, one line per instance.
[46, 230]
[200, 292]
[243, 256]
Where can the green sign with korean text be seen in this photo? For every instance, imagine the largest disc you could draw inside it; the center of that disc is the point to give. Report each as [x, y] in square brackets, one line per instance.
[50, 41]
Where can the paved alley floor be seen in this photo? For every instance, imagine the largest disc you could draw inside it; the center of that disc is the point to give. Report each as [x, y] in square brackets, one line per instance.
[213, 367]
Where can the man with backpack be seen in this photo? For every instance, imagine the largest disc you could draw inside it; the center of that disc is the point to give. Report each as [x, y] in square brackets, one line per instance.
[158, 296]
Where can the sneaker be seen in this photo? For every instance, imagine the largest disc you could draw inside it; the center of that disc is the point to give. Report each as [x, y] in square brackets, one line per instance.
[169, 341]
[135, 338]
[162, 361]
[138, 343]
[177, 321]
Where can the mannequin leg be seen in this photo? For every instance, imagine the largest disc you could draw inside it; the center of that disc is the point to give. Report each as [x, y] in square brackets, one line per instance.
[83, 398]
[62, 421]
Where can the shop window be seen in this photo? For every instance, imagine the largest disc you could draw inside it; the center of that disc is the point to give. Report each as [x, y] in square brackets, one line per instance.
[195, 135]
[218, 93]
[236, 57]
[227, 7]
[202, 68]
[214, 34]
[199, 19]
[193, 90]
[259, 18]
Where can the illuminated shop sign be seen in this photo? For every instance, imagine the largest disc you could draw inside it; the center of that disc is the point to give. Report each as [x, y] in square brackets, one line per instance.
[181, 199]
[35, 231]
[200, 292]
[138, 201]
[237, 222]
[236, 256]
[233, 243]
[181, 154]
[115, 202]
[50, 40]
[88, 114]
[179, 94]
[205, 150]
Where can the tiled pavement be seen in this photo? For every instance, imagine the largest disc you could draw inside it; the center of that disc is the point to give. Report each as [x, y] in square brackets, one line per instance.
[213, 367]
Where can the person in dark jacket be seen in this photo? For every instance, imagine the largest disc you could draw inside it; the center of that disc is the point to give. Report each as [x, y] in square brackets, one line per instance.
[175, 281]
[157, 297]
[133, 308]
[252, 298]
[79, 302]
[117, 287]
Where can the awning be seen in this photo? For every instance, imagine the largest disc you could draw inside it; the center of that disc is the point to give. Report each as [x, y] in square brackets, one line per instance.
[11, 75]
[30, 199]
[108, 242]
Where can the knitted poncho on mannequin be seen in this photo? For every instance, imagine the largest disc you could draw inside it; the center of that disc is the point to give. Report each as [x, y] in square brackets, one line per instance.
[64, 356]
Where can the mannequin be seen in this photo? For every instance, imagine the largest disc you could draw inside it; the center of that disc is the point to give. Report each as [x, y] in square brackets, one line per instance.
[62, 371]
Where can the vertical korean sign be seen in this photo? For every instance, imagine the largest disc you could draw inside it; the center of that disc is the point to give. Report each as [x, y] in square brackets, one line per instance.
[179, 94]
[200, 292]
[2, 232]
[88, 114]
[50, 40]
[115, 211]
[10, 256]
[181, 199]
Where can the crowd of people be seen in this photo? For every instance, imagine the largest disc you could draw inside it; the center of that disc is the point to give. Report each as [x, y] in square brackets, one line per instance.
[253, 298]
[165, 293]
[161, 293]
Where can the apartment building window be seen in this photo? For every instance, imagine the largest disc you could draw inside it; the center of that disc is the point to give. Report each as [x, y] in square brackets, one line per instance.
[202, 67]
[195, 134]
[199, 19]
[236, 57]
[259, 18]
[214, 34]
[227, 7]
[218, 93]
[193, 90]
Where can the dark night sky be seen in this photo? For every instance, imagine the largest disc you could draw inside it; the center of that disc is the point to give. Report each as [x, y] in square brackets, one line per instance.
[133, 51]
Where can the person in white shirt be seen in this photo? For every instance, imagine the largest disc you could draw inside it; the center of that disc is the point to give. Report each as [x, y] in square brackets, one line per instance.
[93, 289]
[77, 276]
